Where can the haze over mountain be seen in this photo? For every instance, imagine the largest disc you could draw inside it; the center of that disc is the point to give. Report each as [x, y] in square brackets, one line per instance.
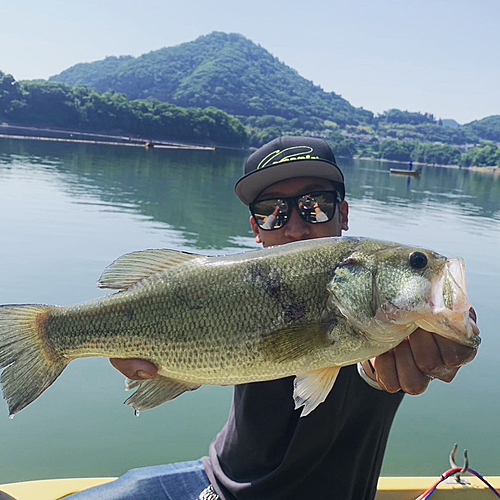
[227, 71]
[230, 72]
[223, 89]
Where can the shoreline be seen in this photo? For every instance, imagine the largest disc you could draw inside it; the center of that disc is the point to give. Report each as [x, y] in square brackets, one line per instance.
[8, 131]
[163, 144]
[491, 170]
[156, 145]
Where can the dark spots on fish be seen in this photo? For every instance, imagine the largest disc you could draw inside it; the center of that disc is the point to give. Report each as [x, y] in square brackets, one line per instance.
[129, 314]
[258, 272]
[189, 302]
[274, 288]
[331, 325]
[294, 312]
[277, 290]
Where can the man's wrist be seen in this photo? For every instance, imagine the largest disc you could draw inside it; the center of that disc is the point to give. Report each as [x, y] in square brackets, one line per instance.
[370, 381]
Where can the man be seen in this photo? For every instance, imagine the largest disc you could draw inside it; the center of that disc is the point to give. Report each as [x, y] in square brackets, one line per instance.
[266, 451]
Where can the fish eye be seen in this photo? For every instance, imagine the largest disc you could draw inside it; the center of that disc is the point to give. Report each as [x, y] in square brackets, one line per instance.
[418, 260]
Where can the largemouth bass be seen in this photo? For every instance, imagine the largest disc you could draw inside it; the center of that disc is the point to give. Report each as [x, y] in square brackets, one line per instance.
[305, 309]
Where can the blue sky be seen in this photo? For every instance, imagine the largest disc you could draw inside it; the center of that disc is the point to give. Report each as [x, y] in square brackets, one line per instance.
[438, 56]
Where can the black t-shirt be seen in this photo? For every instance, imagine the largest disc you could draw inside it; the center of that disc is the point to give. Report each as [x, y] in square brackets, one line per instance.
[267, 452]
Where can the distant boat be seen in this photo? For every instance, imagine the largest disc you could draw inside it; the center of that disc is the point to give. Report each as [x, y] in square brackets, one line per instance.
[403, 171]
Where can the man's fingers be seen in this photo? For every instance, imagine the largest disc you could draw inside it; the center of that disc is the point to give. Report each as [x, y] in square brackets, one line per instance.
[135, 369]
[435, 358]
[453, 354]
[426, 353]
[386, 373]
[447, 374]
[423, 356]
[411, 378]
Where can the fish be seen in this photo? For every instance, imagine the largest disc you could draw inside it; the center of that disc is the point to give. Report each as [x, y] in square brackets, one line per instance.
[303, 309]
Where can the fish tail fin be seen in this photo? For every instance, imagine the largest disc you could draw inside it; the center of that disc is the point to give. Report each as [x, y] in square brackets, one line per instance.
[30, 363]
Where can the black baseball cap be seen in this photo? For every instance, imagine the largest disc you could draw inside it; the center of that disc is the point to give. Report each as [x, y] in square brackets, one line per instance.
[284, 158]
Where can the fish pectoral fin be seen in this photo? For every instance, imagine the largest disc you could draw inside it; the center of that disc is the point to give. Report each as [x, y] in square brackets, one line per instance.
[295, 342]
[133, 267]
[312, 388]
[154, 392]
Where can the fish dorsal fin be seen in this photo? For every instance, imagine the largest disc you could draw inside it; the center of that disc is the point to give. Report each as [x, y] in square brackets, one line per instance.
[312, 388]
[133, 267]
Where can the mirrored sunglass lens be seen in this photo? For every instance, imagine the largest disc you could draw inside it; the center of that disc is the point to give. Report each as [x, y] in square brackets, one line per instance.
[317, 207]
[270, 214]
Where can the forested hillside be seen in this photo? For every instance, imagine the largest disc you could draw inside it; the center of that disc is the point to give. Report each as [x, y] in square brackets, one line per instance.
[488, 128]
[45, 104]
[224, 89]
[227, 71]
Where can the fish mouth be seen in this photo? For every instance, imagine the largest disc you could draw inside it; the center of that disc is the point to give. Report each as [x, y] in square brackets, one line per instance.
[449, 307]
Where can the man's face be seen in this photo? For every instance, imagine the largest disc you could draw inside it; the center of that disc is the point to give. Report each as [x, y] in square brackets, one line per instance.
[297, 228]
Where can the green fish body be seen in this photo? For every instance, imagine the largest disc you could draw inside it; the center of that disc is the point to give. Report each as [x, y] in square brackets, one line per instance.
[304, 309]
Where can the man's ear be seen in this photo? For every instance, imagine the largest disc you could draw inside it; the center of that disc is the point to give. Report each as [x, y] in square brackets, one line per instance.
[344, 215]
[255, 229]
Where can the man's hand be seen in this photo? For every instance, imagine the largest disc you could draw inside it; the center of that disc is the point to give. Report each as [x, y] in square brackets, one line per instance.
[135, 369]
[418, 359]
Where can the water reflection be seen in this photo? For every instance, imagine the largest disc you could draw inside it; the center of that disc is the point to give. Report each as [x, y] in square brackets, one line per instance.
[472, 192]
[69, 210]
[192, 191]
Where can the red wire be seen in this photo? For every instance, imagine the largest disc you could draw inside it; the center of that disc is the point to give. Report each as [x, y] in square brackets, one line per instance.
[449, 473]
[444, 476]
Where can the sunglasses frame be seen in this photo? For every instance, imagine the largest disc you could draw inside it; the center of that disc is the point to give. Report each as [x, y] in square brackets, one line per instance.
[293, 202]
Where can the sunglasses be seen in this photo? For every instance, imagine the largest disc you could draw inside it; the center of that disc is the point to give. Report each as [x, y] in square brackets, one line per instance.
[316, 208]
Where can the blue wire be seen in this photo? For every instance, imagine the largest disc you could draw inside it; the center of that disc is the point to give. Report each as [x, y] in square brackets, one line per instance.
[493, 490]
[485, 482]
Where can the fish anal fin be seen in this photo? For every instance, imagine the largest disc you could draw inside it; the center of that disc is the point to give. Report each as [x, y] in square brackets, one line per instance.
[312, 388]
[133, 267]
[154, 392]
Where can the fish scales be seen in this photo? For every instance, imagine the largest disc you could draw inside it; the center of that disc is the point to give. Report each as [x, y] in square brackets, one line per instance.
[190, 321]
[304, 309]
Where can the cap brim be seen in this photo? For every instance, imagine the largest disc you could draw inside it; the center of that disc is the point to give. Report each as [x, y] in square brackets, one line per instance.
[252, 184]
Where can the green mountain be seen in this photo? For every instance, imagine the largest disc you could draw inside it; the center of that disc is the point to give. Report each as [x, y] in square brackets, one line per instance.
[90, 74]
[488, 128]
[224, 89]
[231, 73]
[226, 71]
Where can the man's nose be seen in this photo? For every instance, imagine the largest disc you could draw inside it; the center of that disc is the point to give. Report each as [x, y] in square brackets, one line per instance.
[296, 228]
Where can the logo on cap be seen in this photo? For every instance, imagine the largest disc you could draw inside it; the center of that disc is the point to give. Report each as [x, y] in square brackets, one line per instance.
[295, 153]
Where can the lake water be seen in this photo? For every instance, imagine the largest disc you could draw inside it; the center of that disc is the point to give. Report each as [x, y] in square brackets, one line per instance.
[67, 211]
